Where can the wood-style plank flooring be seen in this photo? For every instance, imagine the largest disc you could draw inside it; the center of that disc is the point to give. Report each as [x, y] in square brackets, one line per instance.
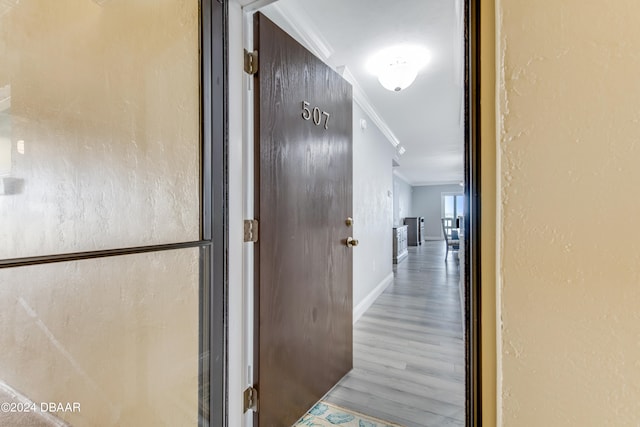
[408, 347]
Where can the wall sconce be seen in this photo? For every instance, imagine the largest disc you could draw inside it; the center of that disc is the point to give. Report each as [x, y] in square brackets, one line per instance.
[397, 67]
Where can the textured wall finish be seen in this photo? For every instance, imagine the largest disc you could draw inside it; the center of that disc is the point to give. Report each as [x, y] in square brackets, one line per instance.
[117, 335]
[106, 100]
[569, 263]
[99, 148]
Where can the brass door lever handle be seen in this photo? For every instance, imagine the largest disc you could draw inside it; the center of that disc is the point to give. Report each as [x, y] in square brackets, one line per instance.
[351, 242]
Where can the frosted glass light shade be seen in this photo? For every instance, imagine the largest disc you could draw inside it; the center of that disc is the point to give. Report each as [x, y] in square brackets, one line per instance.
[397, 75]
[397, 67]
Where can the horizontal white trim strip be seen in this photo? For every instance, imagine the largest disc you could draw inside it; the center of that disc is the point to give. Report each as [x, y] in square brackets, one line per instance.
[363, 101]
[252, 6]
[298, 19]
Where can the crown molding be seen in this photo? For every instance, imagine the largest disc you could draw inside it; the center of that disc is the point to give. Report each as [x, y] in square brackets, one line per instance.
[253, 5]
[303, 25]
[413, 183]
[399, 174]
[363, 101]
[309, 35]
[432, 183]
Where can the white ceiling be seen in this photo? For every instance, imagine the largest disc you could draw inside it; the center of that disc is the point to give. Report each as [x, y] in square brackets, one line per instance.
[426, 118]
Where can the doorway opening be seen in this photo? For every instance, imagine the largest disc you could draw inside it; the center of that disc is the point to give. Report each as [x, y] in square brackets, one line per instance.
[318, 45]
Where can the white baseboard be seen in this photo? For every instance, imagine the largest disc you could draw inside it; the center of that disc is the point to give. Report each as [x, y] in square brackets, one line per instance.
[364, 305]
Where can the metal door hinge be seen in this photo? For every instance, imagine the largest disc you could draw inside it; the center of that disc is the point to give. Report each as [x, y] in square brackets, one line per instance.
[251, 399]
[251, 230]
[250, 62]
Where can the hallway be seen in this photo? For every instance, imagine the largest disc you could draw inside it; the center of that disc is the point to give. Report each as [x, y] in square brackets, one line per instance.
[408, 347]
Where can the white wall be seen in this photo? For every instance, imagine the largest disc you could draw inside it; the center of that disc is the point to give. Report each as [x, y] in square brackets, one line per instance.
[426, 202]
[402, 207]
[569, 280]
[372, 208]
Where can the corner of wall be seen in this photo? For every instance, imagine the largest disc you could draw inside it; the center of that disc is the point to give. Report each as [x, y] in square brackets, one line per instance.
[368, 301]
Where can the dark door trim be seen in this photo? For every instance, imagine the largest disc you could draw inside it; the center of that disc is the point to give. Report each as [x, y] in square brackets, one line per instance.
[472, 217]
[214, 258]
[215, 29]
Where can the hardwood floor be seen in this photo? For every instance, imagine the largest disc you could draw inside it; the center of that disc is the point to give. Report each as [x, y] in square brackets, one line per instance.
[408, 347]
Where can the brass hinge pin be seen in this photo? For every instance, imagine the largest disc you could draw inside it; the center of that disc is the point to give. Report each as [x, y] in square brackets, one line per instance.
[250, 62]
[251, 230]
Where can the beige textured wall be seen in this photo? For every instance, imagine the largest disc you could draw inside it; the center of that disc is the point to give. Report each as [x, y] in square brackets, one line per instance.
[117, 335]
[105, 96]
[106, 99]
[569, 263]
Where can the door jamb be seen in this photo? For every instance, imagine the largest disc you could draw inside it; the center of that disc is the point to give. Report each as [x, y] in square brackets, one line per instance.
[472, 292]
[472, 218]
[214, 134]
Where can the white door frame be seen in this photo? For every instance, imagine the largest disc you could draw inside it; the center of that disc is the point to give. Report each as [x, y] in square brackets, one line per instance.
[240, 298]
[241, 319]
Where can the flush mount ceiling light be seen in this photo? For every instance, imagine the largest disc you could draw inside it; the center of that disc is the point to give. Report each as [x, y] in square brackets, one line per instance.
[397, 67]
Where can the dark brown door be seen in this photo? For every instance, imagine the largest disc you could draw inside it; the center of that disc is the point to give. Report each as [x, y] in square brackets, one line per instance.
[303, 123]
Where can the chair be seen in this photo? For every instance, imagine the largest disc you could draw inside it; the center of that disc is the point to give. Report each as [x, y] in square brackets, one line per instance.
[451, 236]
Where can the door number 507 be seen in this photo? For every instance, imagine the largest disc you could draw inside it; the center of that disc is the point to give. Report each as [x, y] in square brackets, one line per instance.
[315, 114]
